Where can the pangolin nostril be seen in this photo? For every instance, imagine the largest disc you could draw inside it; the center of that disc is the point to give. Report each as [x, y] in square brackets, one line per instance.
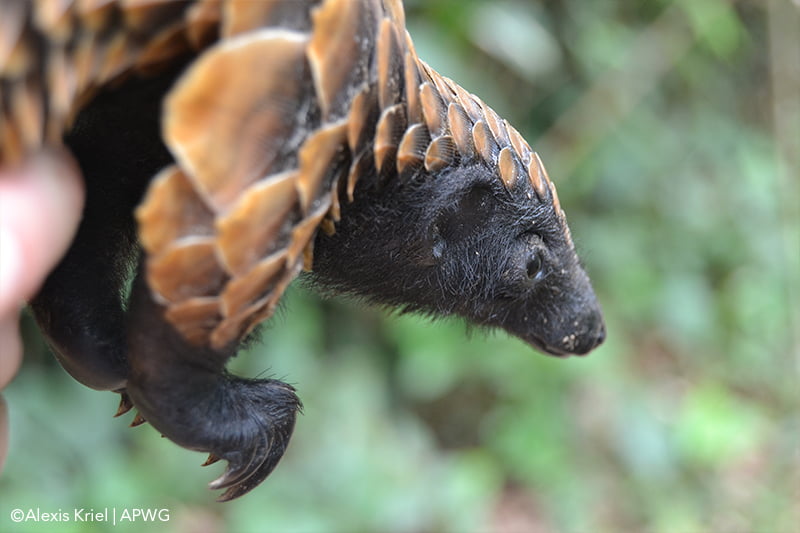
[589, 337]
[601, 335]
[595, 332]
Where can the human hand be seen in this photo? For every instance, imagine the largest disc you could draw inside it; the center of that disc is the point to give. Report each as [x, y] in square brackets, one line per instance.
[40, 208]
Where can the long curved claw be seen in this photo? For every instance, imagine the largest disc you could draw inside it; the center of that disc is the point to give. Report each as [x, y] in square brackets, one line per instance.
[246, 422]
[125, 404]
[238, 470]
[242, 476]
[269, 432]
[211, 459]
[138, 420]
[240, 479]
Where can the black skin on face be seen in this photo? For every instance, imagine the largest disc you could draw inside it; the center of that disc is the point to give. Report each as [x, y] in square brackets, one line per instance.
[459, 243]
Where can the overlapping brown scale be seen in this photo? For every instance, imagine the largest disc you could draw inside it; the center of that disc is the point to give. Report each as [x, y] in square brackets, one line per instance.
[444, 86]
[394, 9]
[447, 86]
[95, 15]
[231, 329]
[244, 291]
[11, 148]
[554, 196]
[413, 146]
[76, 51]
[484, 141]
[12, 29]
[509, 167]
[565, 227]
[241, 16]
[363, 116]
[473, 127]
[521, 146]
[441, 153]
[86, 59]
[389, 132]
[468, 101]
[195, 319]
[234, 328]
[54, 19]
[143, 16]
[251, 229]
[317, 162]
[538, 176]
[412, 82]
[17, 51]
[171, 211]
[120, 53]
[496, 125]
[335, 212]
[363, 164]
[307, 264]
[461, 129]
[390, 59]
[303, 234]
[327, 227]
[557, 206]
[433, 109]
[203, 21]
[225, 125]
[426, 73]
[159, 49]
[335, 54]
[186, 269]
[28, 114]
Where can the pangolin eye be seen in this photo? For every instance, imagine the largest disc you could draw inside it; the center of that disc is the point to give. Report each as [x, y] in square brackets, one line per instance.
[534, 265]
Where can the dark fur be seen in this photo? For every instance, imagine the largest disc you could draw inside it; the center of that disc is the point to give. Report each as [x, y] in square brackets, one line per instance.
[118, 147]
[452, 243]
[459, 243]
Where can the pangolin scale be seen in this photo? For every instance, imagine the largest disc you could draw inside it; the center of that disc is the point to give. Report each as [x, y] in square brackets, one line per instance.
[289, 126]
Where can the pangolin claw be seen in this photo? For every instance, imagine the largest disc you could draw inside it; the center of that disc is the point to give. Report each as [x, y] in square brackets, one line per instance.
[211, 459]
[240, 469]
[269, 436]
[246, 422]
[125, 404]
[242, 475]
[138, 420]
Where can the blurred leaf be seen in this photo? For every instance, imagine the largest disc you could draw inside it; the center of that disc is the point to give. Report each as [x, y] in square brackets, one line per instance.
[511, 33]
[715, 428]
[716, 23]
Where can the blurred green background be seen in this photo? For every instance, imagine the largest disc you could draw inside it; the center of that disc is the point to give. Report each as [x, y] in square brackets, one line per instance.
[672, 129]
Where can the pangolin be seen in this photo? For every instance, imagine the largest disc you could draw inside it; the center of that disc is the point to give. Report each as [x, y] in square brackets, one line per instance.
[227, 145]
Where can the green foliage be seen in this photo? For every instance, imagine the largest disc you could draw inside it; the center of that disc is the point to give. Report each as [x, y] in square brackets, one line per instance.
[685, 420]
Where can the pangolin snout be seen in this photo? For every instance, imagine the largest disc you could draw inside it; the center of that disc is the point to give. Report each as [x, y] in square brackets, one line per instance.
[577, 337]
[589, 337]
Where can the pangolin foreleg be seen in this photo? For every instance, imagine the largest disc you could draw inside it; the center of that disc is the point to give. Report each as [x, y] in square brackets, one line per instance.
[185, 392]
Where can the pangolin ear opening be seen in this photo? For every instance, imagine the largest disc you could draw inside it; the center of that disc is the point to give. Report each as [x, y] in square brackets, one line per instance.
[458, 222]
[467, 216]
